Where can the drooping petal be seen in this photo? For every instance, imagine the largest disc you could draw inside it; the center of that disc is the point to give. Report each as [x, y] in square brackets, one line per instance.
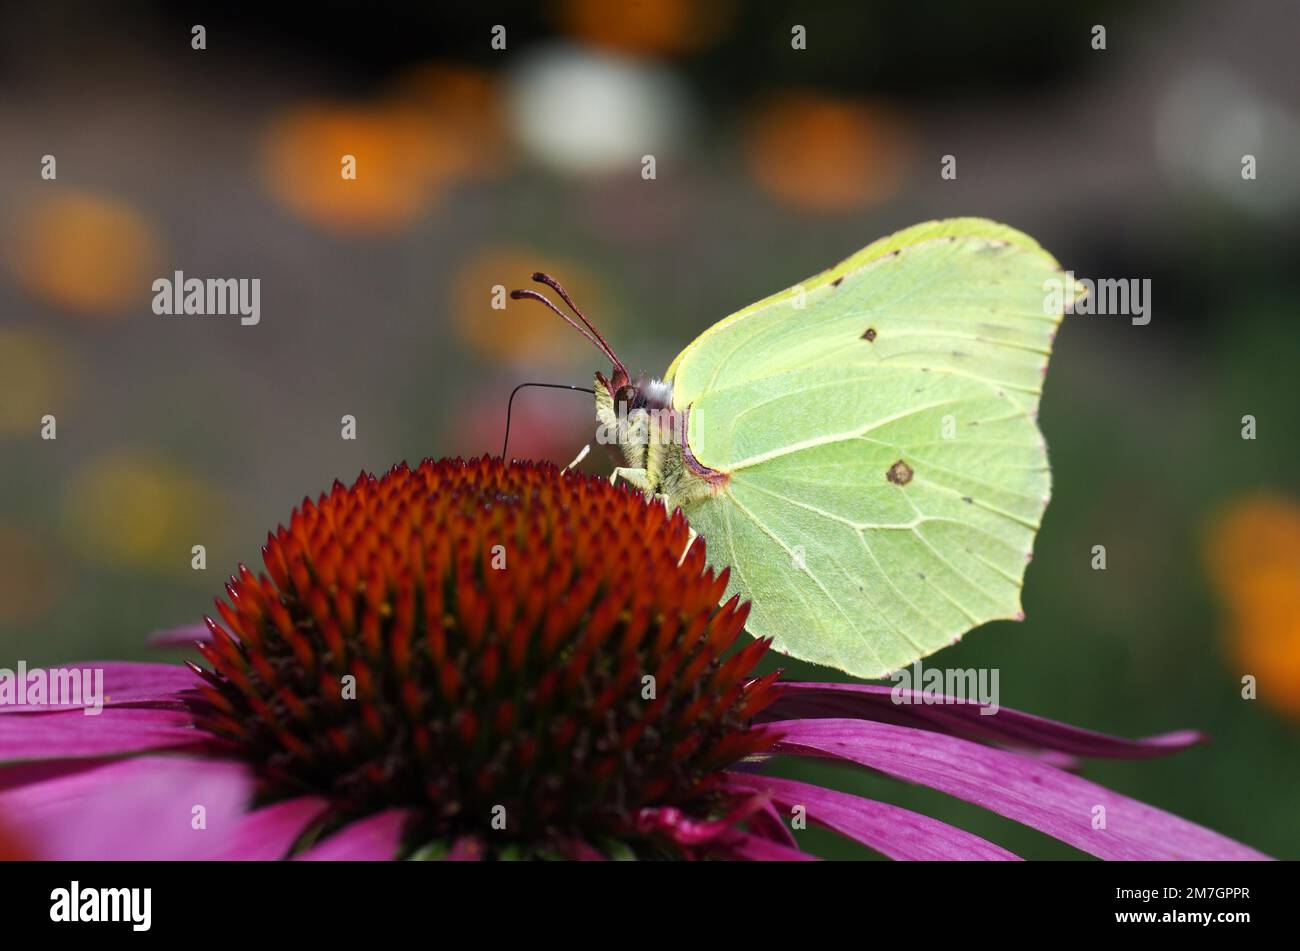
[267, 834]
[155, 808]
[688, 831]
[679, 827]
[372, 839]
[892, 831]
[963, 718]
[768, 823]
[72, 734]
[755, 848]
[1027, 790]
[115, 684]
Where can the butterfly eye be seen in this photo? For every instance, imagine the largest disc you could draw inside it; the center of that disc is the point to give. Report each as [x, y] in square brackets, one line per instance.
[626, 396]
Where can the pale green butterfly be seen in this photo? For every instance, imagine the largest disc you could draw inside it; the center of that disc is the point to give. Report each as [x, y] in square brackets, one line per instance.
[862, 449]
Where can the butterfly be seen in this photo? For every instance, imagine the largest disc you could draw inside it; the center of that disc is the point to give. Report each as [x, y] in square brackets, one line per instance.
[861, 450]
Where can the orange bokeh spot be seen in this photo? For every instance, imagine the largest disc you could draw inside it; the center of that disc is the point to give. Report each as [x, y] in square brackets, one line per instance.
[465, 107]
[1253, 553]
[311, 154]
[826, 155]
[525, 330]
[647, 26]
[89, 254]
[377, 167]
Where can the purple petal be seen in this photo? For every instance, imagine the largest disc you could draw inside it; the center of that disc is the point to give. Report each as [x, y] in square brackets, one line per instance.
[268, 834]
[680, 827]
[579, 850]
[134, 809]
[372, 839]
[468, 848]
[1021, 788]
[122, 684]
[688, 831]
[13, 775]
[963, 718]
[1053, 758]
[113, 732]
[768, 823]
[755, 848]
[892, 831]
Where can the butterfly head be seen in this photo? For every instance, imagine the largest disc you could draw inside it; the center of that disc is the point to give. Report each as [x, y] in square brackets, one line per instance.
[621, 404]
[626, 410]
[626, 396]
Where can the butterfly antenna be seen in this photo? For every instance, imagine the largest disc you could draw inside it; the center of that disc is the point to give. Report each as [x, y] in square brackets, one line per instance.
[542, 278]
[533, 295]
[549, 386]
[591, 333]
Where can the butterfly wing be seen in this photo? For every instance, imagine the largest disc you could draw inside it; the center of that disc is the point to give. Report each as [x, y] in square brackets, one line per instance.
[886, 475]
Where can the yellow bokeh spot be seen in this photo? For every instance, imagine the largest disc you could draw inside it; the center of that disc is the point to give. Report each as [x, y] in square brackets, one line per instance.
[89, 254]
[525, 330]
[647, 27]
[824, 154]
[1253, 553]
[137, 511]
[35, 375]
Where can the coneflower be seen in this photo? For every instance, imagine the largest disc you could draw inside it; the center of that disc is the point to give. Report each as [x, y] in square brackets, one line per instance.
[482, 660]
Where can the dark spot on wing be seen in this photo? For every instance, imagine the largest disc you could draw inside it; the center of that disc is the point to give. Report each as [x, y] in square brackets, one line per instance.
[838, 281]
[870, 335]
[900, 473]
[967, 499]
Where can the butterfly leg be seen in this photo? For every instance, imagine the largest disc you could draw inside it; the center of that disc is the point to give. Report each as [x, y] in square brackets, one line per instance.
[689, 542]
[582, 455]
[634, 477]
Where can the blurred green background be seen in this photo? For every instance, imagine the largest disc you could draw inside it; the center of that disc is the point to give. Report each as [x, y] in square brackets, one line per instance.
[477, 166]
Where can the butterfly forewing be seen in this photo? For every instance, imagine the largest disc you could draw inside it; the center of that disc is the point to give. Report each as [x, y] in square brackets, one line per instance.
[886, 473]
